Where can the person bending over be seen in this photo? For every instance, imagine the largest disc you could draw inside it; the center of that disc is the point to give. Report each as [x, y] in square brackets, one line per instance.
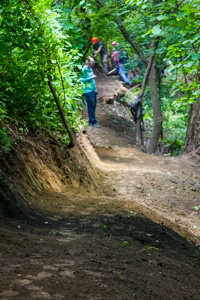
[99, 48]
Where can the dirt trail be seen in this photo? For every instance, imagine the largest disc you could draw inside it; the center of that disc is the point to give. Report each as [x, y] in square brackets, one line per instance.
[166, 189]
[114, 244]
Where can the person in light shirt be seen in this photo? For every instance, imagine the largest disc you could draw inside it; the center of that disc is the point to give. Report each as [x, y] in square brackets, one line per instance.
[115, 56]
[90, 90]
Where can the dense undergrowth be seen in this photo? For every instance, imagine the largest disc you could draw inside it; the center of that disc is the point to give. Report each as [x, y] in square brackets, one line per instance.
[175, 120]
[33, 47]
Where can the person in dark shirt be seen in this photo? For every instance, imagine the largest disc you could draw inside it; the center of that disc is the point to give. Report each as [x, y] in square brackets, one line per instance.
[99, 48]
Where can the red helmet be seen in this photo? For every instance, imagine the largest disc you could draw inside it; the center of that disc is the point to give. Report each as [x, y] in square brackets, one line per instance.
[94, 40]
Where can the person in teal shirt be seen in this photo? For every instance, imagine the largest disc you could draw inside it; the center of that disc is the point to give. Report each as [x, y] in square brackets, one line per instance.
[90, 90]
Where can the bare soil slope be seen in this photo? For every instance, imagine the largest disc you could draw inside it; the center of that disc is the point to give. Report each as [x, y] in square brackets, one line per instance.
[119, 233]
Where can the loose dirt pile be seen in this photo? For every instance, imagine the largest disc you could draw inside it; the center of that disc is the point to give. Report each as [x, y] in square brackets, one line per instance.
[107, 223]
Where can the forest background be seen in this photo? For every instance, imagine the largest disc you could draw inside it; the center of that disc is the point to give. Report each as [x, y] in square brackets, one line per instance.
[43, 46]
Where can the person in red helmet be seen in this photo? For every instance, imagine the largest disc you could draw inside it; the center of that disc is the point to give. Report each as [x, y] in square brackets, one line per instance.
[99, 48]
[94, 40]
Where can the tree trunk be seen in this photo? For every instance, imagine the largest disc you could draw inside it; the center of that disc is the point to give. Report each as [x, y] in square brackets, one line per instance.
[69, 130]
[139, 139]
[192, 142]
[157, 116]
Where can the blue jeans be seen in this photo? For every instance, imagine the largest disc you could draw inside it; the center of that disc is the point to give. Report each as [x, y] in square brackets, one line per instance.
[91, 106]
[117, 67]
[124, 74]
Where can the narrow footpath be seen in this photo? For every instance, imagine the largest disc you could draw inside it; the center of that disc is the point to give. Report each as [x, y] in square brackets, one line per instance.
[136, 237]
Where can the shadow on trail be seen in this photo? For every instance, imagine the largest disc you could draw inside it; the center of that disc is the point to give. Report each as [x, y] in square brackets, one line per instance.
[124, 256]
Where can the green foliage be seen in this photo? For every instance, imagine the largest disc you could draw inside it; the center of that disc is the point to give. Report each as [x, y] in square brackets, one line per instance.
[149, 248]
[175, 120]
[125, 243]
[5, 140]
[197, 208]
[32, 45]
[177, 30]
[75, 22]
[174, 130]
[104, 227]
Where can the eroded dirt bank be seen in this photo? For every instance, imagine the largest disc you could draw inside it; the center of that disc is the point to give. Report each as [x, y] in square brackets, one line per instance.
[97, 227]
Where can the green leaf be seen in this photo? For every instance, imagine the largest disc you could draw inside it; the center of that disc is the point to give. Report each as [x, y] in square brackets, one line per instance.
[103, 226]
[197, 208]
[148, 247]
[125, 243]
[156, 30]
[161, 17]
[82, 2]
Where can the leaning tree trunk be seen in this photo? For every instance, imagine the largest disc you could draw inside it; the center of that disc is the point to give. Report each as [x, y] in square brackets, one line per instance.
[69, 130]
[192, 142]
[139, 138]
[157, 116]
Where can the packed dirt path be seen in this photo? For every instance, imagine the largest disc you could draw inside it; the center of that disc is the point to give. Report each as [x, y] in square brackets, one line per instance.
[164, 188]
[126, 241]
